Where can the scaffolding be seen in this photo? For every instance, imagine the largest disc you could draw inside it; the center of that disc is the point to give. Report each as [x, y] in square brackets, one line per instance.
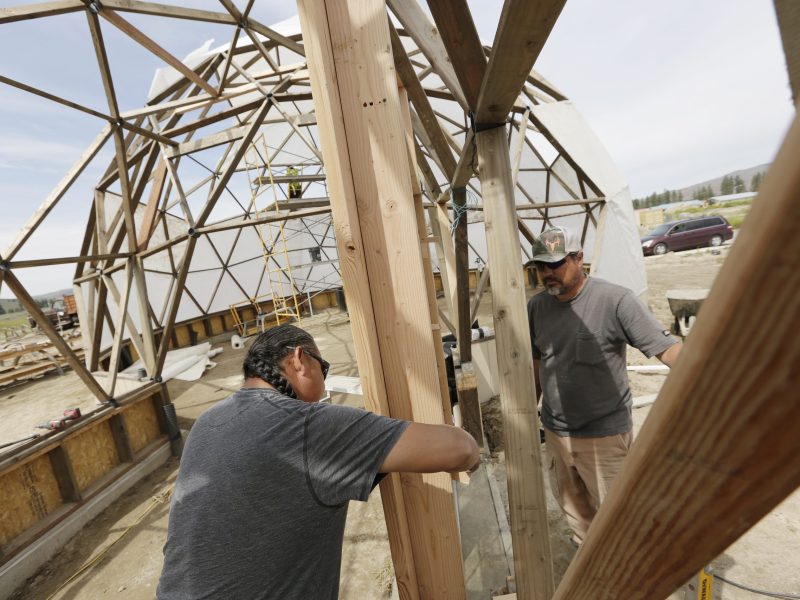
[277, 264]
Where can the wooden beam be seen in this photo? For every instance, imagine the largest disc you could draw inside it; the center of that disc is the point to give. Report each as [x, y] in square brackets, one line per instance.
[247, 138]
[417, 25]
[119, 332]
[165, 10]
[150, 45]
[483, 281]
[358, 113]
[460, 37]
[172, 306]
[422, 105]
[430, 286]
[533, 566]
[462, 275]
[465, 168]
[36, 11]
[276, 37]
[148, 225]
[521, 33]
[719, 448]
[47, 328]
[788, 13]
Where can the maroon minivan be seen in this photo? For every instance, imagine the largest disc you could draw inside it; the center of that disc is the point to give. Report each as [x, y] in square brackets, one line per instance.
[689, 233]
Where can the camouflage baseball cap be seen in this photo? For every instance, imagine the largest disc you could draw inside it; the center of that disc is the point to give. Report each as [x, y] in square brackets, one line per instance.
[554, 244]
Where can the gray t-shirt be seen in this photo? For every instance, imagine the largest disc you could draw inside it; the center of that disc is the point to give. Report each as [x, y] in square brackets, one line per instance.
[581, 345]
[259, 507]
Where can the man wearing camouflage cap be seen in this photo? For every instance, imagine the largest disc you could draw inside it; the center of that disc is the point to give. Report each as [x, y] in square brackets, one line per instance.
[580, 328]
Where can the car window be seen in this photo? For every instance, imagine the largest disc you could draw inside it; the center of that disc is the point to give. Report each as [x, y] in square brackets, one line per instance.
[660, 230]
[679, 228]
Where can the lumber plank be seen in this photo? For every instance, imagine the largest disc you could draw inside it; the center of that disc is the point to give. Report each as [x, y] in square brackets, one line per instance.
[36, 11]
[465, 168]
[460, 37]
[463, 323]
[148, 224]
[788, 14]
[521, 33]
[276, 37]
[719, 448]
[422, 105]
[150, 44]
[248, 136]
[430, 286]
[533, 566]
[166, 10]
[417, 25]
[357, 103]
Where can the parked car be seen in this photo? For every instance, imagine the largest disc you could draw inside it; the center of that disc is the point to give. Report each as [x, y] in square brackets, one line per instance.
[685, 234]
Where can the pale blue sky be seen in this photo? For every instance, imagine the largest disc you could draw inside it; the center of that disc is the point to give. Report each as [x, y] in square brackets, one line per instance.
[678, 92]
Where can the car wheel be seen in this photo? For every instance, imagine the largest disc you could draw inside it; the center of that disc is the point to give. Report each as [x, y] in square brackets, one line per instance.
[715, 240]
[660, 249]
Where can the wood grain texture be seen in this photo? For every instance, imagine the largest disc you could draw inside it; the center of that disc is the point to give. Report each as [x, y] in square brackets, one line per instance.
[27, 495]
[523, 29]
[92, 453]
[352, 264]
[529, 532]
[141, 424]
[425, 35]
[460, 37]
[788, 13]
[369, 181]
[720, 447]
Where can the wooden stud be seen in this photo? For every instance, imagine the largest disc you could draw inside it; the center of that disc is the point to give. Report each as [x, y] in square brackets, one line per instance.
[529, 531]
[417, 25]
[149, 44]
[455, 25]
[357, 106]
[521, 33]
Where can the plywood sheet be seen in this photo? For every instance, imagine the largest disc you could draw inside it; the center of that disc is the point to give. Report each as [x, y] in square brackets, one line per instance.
[92, 453]
[141, 423]
[27, 495]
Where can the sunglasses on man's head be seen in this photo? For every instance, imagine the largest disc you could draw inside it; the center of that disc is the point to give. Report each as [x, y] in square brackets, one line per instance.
[540, 264]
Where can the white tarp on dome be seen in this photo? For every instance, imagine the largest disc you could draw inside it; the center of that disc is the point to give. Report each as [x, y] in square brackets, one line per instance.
[620, 253]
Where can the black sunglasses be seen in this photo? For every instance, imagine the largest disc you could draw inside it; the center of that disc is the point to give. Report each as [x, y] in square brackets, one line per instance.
[540, 264]
[326, 366]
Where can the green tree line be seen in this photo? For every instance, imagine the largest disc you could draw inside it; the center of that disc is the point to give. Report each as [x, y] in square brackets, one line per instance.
[729, 185]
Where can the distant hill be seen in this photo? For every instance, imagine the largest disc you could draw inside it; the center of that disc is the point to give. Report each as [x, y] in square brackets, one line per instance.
[10, 304]
[745, 174]
[702, 190]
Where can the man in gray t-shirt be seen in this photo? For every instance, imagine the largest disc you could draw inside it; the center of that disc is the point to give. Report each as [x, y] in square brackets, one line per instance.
[259, 507]
[580, 329]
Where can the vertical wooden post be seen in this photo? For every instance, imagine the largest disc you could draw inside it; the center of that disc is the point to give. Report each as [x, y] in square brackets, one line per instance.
[529, 534]
[357, 106]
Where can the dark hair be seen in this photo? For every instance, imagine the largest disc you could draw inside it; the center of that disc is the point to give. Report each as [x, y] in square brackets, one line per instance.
[266, 353]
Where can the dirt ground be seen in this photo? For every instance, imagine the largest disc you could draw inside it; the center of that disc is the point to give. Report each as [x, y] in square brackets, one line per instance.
[765, 558]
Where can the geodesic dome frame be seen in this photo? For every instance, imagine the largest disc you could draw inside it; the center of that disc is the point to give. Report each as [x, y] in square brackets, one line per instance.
[176, 227]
